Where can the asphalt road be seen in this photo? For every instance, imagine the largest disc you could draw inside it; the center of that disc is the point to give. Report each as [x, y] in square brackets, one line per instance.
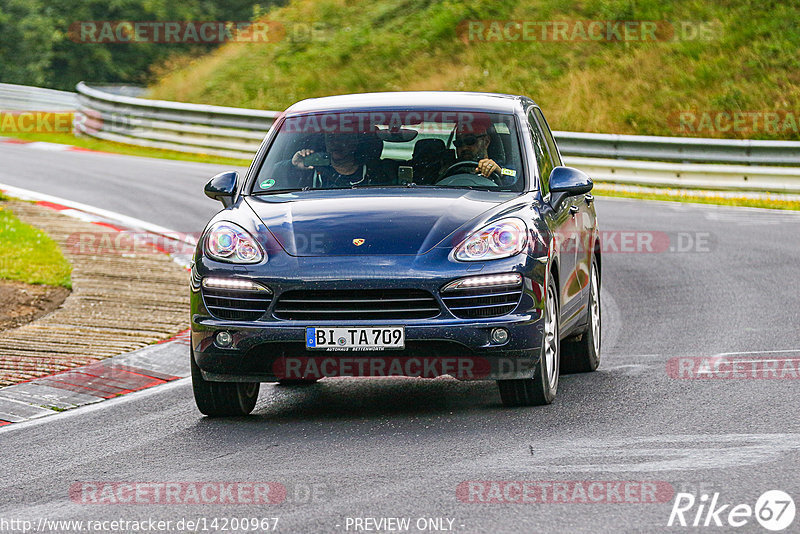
[164, 192]
[400, 448]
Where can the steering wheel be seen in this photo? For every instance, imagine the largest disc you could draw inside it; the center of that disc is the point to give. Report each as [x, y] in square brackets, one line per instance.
[468, 163]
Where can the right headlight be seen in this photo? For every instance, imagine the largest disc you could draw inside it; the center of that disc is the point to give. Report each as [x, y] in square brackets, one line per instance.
[229, 242]
[500, 239]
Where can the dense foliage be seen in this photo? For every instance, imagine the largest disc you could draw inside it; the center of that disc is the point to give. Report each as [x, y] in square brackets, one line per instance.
[36, 47]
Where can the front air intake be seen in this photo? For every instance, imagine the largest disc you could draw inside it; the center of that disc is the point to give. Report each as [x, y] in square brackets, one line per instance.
[235, 300]
[481, 297]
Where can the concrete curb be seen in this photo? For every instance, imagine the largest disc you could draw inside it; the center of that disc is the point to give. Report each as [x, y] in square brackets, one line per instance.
[96, 382]
[72, 386]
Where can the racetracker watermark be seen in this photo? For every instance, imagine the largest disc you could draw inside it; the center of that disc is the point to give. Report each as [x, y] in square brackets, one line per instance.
[461, 367]
[125, 242]
[575, 31]
[734, 367]
[128, 493]
[38, 121]
[644, 242]
[608, 241]
[129, 242]
[742, 123]
[386, 123]
[564, 492]
[195, 32]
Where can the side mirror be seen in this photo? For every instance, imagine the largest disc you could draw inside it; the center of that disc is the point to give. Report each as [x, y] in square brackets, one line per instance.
[222, 187]
[568, 182]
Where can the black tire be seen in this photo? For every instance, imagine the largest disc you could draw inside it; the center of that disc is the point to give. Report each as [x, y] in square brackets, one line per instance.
[541, 389]
[583, 355]
[223, 399]
[297, 382]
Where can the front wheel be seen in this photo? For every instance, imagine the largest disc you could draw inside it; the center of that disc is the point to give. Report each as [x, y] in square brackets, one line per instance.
[541, 389]
[222, 399]
[583, 356]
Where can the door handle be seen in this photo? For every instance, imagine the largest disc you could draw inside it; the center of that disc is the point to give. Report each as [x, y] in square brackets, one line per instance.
[588, 198]
[573, 209]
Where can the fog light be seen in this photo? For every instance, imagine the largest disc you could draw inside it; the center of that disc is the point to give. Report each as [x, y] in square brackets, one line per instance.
[224, 339]
[499, 336]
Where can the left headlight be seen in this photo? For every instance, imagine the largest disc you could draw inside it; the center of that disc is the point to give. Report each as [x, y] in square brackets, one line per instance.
[229, 242]
[500, 239]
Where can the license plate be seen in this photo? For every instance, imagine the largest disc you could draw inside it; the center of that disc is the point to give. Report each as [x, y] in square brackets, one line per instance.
[356, 338]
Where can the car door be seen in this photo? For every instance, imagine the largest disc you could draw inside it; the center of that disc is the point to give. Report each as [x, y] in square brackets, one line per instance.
[582, 230]
[560, 220]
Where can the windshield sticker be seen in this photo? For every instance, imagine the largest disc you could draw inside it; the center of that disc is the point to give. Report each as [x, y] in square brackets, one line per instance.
[266, 184]
[508, 172]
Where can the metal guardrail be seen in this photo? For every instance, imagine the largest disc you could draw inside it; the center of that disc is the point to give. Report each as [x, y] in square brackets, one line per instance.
[197, 128]
[761, 179]
[680, 149]
[237, 133]
[25, 98]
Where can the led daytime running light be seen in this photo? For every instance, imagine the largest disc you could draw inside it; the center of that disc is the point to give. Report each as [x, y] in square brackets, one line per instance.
[232, 283]
[510, 279]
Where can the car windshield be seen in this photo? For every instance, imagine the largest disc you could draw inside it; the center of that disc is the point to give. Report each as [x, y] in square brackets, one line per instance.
[339, 150]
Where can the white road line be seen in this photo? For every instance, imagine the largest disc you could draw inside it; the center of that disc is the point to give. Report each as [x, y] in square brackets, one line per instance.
[768, 360]
[72, 412]
[52, 147]
[758, 352]
[26, 194]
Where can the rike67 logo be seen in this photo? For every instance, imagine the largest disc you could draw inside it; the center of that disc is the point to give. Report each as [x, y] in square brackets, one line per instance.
[774, 510]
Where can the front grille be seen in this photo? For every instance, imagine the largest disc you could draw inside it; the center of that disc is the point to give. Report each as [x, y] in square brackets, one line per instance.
[482, 302]
[237, 304]
[361, 304]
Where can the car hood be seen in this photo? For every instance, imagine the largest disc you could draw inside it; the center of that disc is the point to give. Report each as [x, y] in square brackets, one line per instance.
[388, 220]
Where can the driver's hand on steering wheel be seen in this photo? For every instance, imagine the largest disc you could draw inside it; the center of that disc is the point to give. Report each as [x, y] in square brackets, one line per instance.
[487, 166]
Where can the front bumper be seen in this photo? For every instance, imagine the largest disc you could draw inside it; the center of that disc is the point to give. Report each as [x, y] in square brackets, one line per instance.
[269, 352]
[269, 349]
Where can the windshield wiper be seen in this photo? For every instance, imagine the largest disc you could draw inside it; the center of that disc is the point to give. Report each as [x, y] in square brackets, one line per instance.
[281, 191]
[471, 187]
[374, 186]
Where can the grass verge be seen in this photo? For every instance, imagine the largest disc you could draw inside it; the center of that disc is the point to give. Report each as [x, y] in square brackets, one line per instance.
[29, 255]
[120, 148]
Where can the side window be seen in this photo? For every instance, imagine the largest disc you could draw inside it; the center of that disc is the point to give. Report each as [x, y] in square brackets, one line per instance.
[548, 136]
[543, 160]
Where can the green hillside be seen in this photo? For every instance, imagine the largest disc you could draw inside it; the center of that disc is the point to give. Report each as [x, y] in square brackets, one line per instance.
[707, 57]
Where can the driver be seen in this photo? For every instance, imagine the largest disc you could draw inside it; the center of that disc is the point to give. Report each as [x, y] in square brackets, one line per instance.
[347, 167]
[472, 142]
